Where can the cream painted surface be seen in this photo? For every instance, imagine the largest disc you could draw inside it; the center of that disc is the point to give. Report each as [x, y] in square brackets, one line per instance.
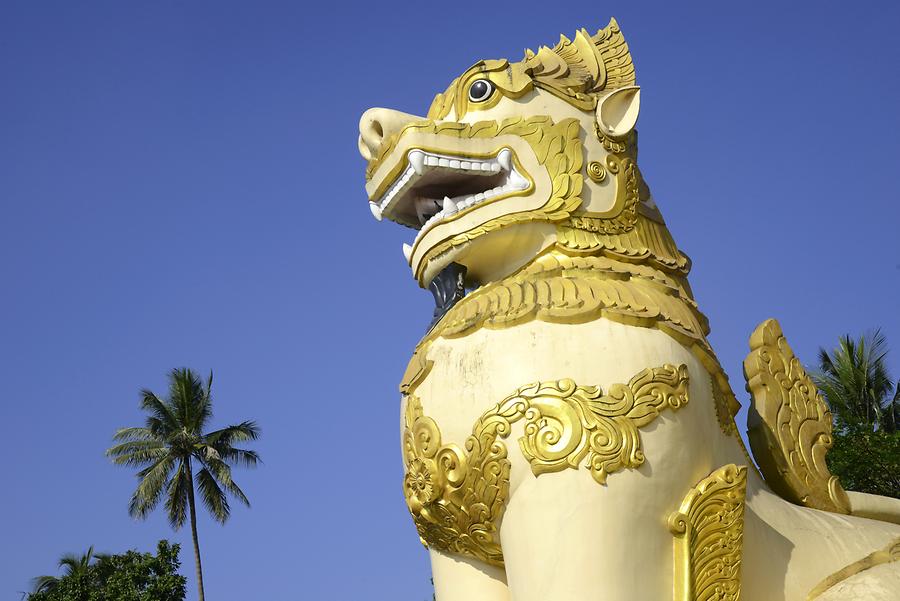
[567, 538]
[462, 579]
[878, 583]
[875, 507]
[597, 198]
[490, 258]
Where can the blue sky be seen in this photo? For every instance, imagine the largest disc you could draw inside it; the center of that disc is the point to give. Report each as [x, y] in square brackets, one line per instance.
[180, 185]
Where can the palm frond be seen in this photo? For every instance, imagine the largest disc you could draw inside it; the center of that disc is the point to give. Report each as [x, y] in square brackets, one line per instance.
[172, 437]
[218, 468]
[177, 495]
[236, 491]
[213, 496]
[76, 564]
[190, 399]
[162, 419]
[150, 489]
[242, 432]
[221, 472]
[242, 457]
[137, 453]
[855, 381]
[44, 584]
[129, 434]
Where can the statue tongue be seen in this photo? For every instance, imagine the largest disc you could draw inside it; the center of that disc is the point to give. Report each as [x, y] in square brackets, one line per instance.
[448, 288]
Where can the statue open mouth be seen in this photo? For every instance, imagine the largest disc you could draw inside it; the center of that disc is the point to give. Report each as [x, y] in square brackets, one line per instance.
[458, 183]
[436, 187]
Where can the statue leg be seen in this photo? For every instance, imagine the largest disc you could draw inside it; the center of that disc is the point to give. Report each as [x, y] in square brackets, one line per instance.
[566, 538]
[459, 578]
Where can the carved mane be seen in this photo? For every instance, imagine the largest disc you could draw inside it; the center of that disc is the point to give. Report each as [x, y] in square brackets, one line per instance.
[579, 70]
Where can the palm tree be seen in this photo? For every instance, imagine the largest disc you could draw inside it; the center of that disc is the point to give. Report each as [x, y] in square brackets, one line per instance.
[74, 566]
[172, 444]
[857, 386]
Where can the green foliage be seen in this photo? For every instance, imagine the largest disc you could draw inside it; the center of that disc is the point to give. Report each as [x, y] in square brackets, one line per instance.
[170, 445]
[867, 461]
[865, 405]
[75, 568]
[131, 576]
[855, 381]
[172, 440]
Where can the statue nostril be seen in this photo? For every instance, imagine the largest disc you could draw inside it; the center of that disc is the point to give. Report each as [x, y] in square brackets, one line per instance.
[378, 124]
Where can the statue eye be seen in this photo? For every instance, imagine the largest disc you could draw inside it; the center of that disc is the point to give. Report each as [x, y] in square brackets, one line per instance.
[480, 90]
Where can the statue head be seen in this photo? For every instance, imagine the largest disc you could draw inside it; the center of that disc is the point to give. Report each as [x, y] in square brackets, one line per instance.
[514, 158]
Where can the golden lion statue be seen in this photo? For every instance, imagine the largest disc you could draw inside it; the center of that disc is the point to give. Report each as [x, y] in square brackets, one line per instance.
[568, 433]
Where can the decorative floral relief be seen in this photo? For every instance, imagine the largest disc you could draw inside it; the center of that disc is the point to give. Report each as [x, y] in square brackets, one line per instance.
[790, 424]
[709, 537]
[457, 497]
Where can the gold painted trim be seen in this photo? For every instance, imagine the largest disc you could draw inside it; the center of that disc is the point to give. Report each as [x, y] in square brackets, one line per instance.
[889, 554]
[532, 186]
[457, 497]
[556, 146]
[577, 71]
[596, 171]
[789, 424]
[560, 288]
[709, 537]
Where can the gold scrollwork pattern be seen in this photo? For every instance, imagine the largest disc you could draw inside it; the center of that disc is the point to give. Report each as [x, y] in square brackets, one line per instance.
[789, 424]
[596, 171]
[577, 71]
[567, 425]
[709, 536]
[559, 288]
[624, 214]
[457, 497]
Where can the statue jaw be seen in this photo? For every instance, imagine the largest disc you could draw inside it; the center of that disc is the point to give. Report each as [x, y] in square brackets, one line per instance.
[458, 182]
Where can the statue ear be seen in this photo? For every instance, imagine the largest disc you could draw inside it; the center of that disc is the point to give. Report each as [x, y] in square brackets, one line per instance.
[617, 112]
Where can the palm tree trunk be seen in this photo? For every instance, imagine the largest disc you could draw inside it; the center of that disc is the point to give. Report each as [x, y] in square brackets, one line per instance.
[194, 530]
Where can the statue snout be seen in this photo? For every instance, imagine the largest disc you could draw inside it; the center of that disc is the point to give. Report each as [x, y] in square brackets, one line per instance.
[376, 125]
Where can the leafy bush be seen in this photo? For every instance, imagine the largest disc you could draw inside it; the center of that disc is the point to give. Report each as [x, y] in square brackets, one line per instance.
[131, 576]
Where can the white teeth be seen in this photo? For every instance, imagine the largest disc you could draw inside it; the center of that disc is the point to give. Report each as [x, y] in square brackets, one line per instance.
[505, 159]
[432, 211]
[425, 206]
[417, 160]
[517, 181]
[407, 251]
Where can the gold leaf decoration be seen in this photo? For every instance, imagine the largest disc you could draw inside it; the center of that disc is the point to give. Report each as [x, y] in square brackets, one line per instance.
[566, 423]
[457, 497]
[709, 535]
[560, 288]
[789, 424]
[579, 70]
